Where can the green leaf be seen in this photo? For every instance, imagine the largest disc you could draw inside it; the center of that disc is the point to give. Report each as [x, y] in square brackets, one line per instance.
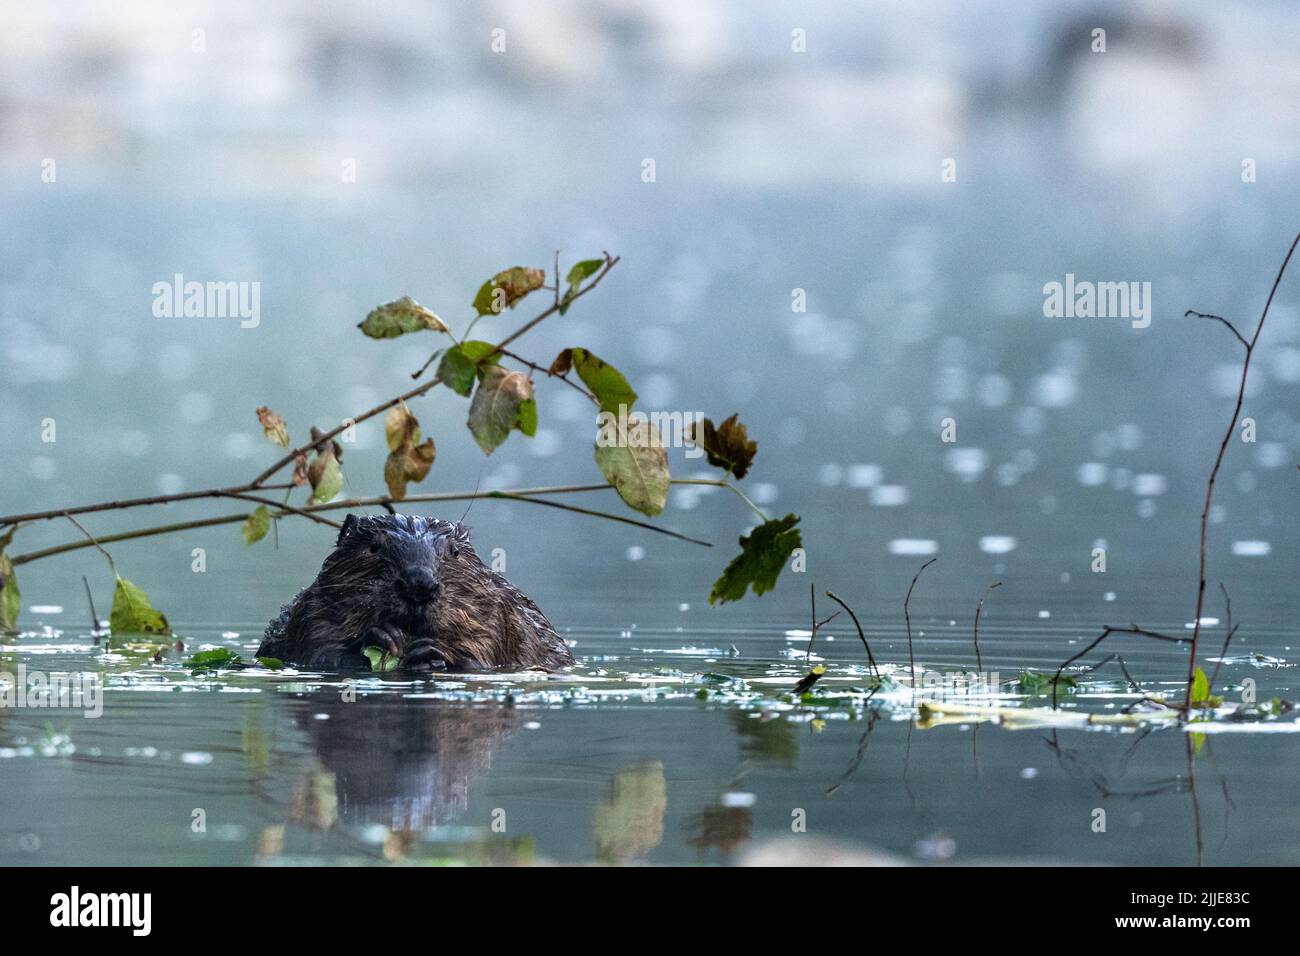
[462, 363]
[606, 382]
[325, 475]
[580, 272]
[728, 446]
[1036, 682]
[1200, 687]
[1201, 696]
[133, 614]
[256, 525]
[506, 288]
[504, 400]
[273, 426]
[10, 598]
[631, 457]
[220, 658]
[405, 315]
[763, 553]
[380, 660]
[271, 663]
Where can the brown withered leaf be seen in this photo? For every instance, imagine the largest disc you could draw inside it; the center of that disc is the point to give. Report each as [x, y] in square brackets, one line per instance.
[409, 463]
[563, 362]
[299, 470]
[409, 459]
[728, 447]
[400, 426]
[273, 426]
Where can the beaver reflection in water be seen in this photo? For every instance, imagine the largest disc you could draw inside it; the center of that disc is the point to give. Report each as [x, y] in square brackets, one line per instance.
[415, 588]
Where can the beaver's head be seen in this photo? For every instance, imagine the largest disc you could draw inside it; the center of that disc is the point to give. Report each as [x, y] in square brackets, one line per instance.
[406, 568]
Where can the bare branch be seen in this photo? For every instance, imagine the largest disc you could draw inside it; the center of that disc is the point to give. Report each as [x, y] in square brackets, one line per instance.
[1219, 318]
[907, 617]
[871, 659]
[1214, 473]
[979, 609]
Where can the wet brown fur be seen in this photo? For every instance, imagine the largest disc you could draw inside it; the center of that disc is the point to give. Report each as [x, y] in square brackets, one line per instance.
[476, 621]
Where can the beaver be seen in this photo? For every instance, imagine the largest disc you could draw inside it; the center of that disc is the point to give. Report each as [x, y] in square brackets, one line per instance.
[413, 587]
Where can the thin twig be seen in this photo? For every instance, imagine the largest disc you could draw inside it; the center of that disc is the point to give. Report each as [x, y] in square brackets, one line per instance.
[546, 370]
[1206, 315]
[979, 608]
[907, 617]
[381, 501]
[134, 503]
[595, 514]
[94, 618]
[871, 658]
[1218, 463]
[1107, 632]
[610, 262]
[91, 537]
[1227, 637]
[283, 507]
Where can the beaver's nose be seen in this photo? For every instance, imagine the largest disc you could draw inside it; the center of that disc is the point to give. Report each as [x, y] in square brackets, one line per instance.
[417, 584]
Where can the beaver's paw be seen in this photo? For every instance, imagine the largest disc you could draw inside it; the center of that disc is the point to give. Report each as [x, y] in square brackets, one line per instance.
[387, 638]
[424, 655]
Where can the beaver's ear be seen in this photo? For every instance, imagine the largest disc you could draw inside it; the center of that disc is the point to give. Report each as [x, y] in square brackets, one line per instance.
[349, 526]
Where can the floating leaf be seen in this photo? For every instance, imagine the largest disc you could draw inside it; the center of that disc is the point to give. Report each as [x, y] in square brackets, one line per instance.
[273, 426]
[256, 525]
[380, 660]
[580, 272]
[606, 382]
[728, 446]
[404, 315]
[1035, 682]
[463, 363]
[220, 658]
[271, 663]
[507, 287]
[504, 400]
[133, 614]
[632, 459]
[763, 553]
[325, 475]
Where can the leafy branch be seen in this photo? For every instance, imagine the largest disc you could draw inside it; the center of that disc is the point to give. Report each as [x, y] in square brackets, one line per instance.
[629, 451]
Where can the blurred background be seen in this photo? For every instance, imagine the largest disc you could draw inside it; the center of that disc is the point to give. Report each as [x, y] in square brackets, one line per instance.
[795, 147]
